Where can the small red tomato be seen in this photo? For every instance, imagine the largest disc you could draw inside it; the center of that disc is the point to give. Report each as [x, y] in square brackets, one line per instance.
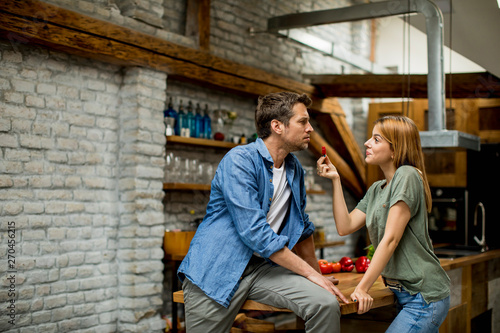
[337, 267]
[362, 264]
[346, 264]
[322, 261]
[326, 268]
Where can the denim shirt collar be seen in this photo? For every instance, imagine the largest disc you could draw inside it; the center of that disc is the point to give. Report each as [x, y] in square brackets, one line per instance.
[289, 159]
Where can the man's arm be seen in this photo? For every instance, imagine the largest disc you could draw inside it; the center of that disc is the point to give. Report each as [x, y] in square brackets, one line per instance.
[306, 251]
[291, 261]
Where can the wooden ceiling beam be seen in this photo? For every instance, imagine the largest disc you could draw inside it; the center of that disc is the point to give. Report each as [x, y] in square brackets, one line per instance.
[463, 85]
[79, 34]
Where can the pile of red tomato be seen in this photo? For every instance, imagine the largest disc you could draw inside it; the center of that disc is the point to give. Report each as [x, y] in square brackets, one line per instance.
[345, 264]
[329, 267]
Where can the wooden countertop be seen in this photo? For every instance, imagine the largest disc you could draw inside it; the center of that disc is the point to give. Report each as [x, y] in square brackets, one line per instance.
[348, 281]
[449, 264]
[382, 296]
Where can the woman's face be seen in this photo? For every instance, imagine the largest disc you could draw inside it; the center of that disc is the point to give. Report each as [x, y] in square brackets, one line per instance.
[378, 150]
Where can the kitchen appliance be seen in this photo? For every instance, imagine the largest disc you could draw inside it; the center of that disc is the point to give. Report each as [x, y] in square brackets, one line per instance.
[468, 216]
[483, 183]
[449, 217]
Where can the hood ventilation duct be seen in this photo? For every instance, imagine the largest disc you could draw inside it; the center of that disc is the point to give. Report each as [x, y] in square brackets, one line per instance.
[437, 136]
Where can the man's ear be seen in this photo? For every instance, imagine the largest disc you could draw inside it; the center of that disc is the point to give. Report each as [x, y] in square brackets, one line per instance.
[277, 126]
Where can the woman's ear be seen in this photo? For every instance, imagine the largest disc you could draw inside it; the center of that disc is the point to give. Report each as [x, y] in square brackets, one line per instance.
[277, 126]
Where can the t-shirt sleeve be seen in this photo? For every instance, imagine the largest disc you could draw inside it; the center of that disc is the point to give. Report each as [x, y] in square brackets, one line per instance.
[363, 204]
[407, 186]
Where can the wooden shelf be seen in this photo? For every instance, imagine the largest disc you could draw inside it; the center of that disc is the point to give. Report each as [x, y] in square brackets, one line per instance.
[322, 245]
[315, 192]
[204, 187]
[186, 186]
[200, 142]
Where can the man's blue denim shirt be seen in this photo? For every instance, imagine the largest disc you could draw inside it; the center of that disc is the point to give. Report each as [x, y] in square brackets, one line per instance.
[235, 223]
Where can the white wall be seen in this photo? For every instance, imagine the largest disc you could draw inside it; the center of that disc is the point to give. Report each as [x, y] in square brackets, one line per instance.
[389, 49]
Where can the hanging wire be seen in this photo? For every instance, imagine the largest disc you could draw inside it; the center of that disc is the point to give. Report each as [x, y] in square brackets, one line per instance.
[406, 32]
[451, 48]
[403, 65]
[409, 53]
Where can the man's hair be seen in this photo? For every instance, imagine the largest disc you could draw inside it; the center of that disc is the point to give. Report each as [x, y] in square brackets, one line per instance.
[276, 106]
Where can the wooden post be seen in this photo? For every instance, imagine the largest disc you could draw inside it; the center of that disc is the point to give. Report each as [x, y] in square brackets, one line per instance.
[198, 22]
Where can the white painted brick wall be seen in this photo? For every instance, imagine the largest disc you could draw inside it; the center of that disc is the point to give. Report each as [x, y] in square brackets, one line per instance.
[59, 146]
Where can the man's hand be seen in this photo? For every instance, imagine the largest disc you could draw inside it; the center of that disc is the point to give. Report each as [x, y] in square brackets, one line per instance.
[332, 279]
[289, 260]
[327, 283]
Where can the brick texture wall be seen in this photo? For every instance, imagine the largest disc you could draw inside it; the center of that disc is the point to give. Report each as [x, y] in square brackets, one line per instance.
[82, 155]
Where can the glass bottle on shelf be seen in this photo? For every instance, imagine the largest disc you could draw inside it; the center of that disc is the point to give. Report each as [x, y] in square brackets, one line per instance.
[171, 119]
[198, 123]
[183, 121]
[190, 117]
[207, 124]
[219, 125]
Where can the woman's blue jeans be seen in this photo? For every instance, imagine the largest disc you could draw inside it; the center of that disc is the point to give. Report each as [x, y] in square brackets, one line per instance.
[415, 315]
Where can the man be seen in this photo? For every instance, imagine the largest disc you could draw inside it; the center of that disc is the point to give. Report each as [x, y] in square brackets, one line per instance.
[255, 216]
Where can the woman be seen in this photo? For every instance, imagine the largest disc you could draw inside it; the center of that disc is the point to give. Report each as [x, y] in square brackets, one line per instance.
[394, 211]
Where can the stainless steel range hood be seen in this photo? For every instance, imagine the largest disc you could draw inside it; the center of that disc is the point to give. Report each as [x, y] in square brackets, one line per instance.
[437, 136]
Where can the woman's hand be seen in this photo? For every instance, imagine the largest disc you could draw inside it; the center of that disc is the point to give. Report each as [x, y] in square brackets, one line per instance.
[364, 300]
[326, 169]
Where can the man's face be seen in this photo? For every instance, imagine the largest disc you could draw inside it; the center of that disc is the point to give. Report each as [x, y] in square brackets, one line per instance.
[296, 135]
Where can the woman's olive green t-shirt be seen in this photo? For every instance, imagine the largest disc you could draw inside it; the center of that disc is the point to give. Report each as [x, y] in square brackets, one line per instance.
[413, 263]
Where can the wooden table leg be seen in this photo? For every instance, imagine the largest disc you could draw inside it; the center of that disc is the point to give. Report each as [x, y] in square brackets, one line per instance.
[175, 287]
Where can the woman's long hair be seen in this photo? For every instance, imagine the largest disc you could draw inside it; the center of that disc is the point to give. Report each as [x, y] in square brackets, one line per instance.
[402, 133]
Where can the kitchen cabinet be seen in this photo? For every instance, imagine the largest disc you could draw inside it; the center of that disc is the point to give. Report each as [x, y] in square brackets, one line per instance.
[444, 167]
[489, 120]
[472, 307]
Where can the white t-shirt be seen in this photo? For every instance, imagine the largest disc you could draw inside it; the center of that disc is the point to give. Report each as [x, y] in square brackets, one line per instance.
[281, 198]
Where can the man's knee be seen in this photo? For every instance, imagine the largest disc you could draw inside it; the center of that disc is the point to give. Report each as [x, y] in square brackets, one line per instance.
[329, 304]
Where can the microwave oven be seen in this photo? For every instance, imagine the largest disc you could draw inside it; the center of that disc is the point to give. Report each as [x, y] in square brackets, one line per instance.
[448, 219]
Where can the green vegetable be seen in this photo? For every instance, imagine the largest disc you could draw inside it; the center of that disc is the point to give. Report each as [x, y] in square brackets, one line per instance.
[370, 251]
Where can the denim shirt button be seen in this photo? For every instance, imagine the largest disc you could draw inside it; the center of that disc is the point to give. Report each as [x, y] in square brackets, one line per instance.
[270, 199]
[271, 180]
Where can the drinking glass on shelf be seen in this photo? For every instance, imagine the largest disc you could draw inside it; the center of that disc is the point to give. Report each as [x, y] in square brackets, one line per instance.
[200, 173]
[193, 170]
[176, 170]
[209, 173]
[185, 171]
[169, 167]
